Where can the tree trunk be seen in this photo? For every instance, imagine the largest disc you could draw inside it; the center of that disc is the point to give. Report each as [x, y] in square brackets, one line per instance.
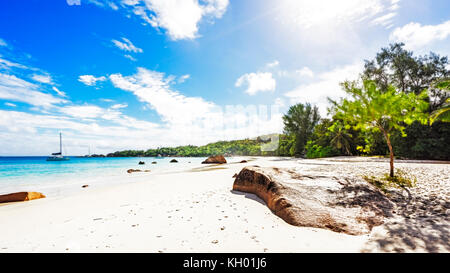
[391, 153]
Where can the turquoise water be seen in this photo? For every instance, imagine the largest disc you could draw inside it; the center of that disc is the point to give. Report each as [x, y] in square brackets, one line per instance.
[56, 177]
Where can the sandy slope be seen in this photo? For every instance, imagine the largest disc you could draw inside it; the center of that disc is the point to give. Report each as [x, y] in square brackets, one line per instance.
[179, 212]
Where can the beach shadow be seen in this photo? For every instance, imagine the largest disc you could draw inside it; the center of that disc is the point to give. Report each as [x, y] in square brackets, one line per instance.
[208, 168]
[362, 196]
[412, 221]
[249, 196]
[422, 222]
[284, 159]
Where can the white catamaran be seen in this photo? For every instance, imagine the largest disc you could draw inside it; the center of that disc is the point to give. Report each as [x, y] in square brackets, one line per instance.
[58, 156]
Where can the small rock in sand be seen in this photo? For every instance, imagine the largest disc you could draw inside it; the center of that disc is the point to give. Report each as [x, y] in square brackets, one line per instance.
[133, 170]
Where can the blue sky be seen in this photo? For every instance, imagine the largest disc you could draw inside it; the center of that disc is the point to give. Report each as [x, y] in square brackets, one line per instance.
[137, 74]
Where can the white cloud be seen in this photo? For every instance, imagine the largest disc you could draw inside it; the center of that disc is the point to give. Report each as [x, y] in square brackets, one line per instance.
[130, 2]
[2, 42]
[113, 6]
[183, 78]
[119, 106]
[215, 7]
[10, 104]
[416, 36]
[127, 45]
[305, 72]
[198, 120]
[273, 64]
[73, 2]
[107, 129]
[5, 64]
[308, 14]
[326, 85]
[59, 92]
[84, 111]
[16, 89]
[94, 113]
[384, 20]
[180, 18]
[104, 4]
[153, 88]
[130, 57]
[332, 31]
[90, 79]
[257, 82]
[42, 78]
[20, 131]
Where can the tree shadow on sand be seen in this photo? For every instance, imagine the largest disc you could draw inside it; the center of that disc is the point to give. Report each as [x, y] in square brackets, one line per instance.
[422, 223]
[412, 222]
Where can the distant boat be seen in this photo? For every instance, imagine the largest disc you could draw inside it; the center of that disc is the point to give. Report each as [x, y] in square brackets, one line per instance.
[58, 156]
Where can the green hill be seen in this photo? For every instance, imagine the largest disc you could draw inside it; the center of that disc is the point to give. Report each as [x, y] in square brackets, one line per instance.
[261, 145]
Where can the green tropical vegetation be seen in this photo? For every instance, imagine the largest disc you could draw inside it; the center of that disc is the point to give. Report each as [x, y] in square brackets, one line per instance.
[401, 180]
[443, 112]
[299, 122]
[246, 147]
[372, 109]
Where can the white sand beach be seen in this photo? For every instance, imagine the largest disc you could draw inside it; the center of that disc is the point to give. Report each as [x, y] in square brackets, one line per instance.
[197, 211]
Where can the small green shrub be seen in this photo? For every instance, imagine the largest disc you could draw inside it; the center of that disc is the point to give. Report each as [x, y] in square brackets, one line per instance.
[401, 179]
[317, 151]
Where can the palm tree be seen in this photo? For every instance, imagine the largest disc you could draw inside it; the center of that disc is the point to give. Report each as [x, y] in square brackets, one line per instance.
[341, 138]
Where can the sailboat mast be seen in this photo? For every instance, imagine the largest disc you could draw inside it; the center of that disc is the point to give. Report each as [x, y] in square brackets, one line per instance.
[60, 144]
